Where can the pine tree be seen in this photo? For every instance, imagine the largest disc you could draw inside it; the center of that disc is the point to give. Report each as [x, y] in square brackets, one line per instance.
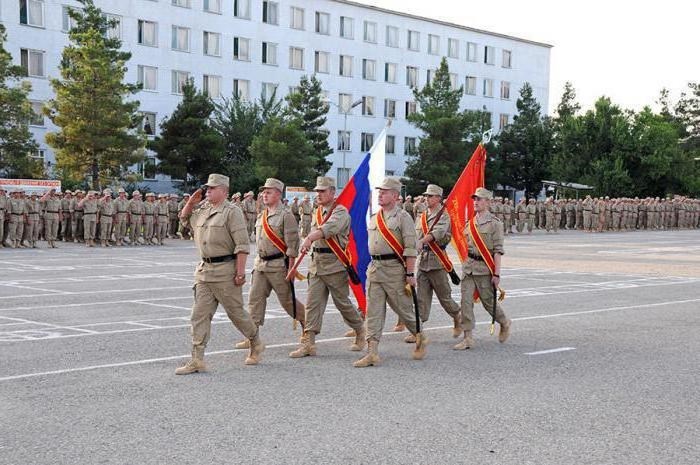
[308, 106]
[96, 120]
[189, 147]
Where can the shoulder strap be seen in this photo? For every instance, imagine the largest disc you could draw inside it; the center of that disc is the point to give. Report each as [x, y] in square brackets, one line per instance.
[481, 246]
[277, 241]
[441, 254]
[389, 237]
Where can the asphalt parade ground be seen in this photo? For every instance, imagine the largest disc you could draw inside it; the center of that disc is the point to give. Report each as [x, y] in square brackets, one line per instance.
[602, 367]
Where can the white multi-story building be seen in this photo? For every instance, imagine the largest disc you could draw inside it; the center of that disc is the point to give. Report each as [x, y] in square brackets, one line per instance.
[360, 53]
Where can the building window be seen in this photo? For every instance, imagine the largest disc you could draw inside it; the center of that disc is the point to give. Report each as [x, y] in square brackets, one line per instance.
[294, 90]
[367, 141]
[182, 3]
[453, 48]
[429, 76]
[147, 77]
[269, 13]
[488, 87]
[505, 90]
[32, 62]
[392, 36]
[296, 58]
[347, 27]
[507, 55]
[322, 62]
[390, 72]
[148, 33]
[410, 108]
[211, 85]
[115, 31]
[37, 116]
[344, 103]
[433, 44]
[370, 33]
[31, 12]
[38, 154]
[343, 177]
[68, 22]
[269, 53]
[179, 79]
[269, 90]
[454, 81]
[241, 88]
[502, 122]
[409, 146]
[241, 9]
[471, 51]
[149, 168]
[389, 108]
[212, 44]
[212, 6]
[413, 40]
[411, 76]
[345, 66]
[470, 87]
[489, 55]
[148, 123]
[296, 18]
[241, 49]
[344, 141]
[390, 145]
[368, 106]
[181, 39]
[369, 69]
[323, 23]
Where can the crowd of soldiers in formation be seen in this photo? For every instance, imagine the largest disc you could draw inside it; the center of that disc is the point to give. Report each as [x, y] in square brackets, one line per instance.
[86, 216]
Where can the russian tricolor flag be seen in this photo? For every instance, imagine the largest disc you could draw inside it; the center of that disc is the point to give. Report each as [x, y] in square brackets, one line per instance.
[356, 197]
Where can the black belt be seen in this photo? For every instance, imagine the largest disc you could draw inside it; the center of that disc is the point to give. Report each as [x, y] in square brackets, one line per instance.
[89, 213]
[427, 247]
[160, 214]
[386, 256]
[103, 215]
[120, 212]
[274, 256]
[47, 211]
[586, 209]
[322, 250]
[221, 259]
[478, 258]
[16, 214]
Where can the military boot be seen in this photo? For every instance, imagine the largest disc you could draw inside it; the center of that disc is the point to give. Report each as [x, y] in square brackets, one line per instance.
[244, 344]
[307, 346]
[504, 332]
[194, 364]
[457, 329]
[350, 333]
[359, 343]
[410, 339]
[372, 357]
[256, 349]
[466, 343]
[399, 327]
[419, 351]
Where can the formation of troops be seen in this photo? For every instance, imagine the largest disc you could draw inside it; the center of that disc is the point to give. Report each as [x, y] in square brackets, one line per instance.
[408, 266]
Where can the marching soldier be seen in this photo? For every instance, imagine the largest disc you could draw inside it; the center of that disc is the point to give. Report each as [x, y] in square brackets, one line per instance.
[521, 211]
[67, 224]
[508, 216]
[222, 242]
[588, 214]
[434, 266]
[121, 218]
[392, 246]
[106, 209]
[419, 206]
[557, 215]
[89, 208]
[136, 212]
[4, 205]
[277, 236]
[31, 230]
[481, 272]
[149, 218]
[173, 222]
[250, 210]
[531, 215]
[52, 205]
[184, 230]
[17, 209]
[76, 216]
[306, 212]
[328, 270]
[294, 207]
[408, 206]
[162, 218]
[549, 214]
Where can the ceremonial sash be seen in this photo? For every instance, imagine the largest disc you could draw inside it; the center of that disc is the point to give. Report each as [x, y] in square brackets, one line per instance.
[483, 250]
[333, 243]
[441, 254]
[277, 241]
[389, 237]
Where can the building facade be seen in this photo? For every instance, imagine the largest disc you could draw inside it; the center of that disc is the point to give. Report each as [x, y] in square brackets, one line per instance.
[364, 56]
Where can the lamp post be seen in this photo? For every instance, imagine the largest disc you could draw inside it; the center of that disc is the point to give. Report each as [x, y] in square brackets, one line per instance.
[345, 113]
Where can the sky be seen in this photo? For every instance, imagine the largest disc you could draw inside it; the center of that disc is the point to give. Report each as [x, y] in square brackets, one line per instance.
[625, 50]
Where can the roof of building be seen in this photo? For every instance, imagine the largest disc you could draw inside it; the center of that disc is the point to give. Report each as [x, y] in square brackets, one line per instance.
[442, 23]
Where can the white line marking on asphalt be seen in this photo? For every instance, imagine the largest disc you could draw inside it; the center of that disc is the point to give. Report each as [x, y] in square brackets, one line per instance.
[551, 351]
[335, 339]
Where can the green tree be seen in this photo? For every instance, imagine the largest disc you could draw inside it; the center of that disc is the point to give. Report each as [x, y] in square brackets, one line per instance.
[16, 141]
[567, 163]
[189, 147]
[96, 121]
[525, 146]
[281, 150]
[238, 121]
[308, 106]
[449, 135]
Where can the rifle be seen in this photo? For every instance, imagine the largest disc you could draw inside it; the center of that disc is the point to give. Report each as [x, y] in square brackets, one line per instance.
[294, 296]
[454, 277]
[493, 314]
[419, 336]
